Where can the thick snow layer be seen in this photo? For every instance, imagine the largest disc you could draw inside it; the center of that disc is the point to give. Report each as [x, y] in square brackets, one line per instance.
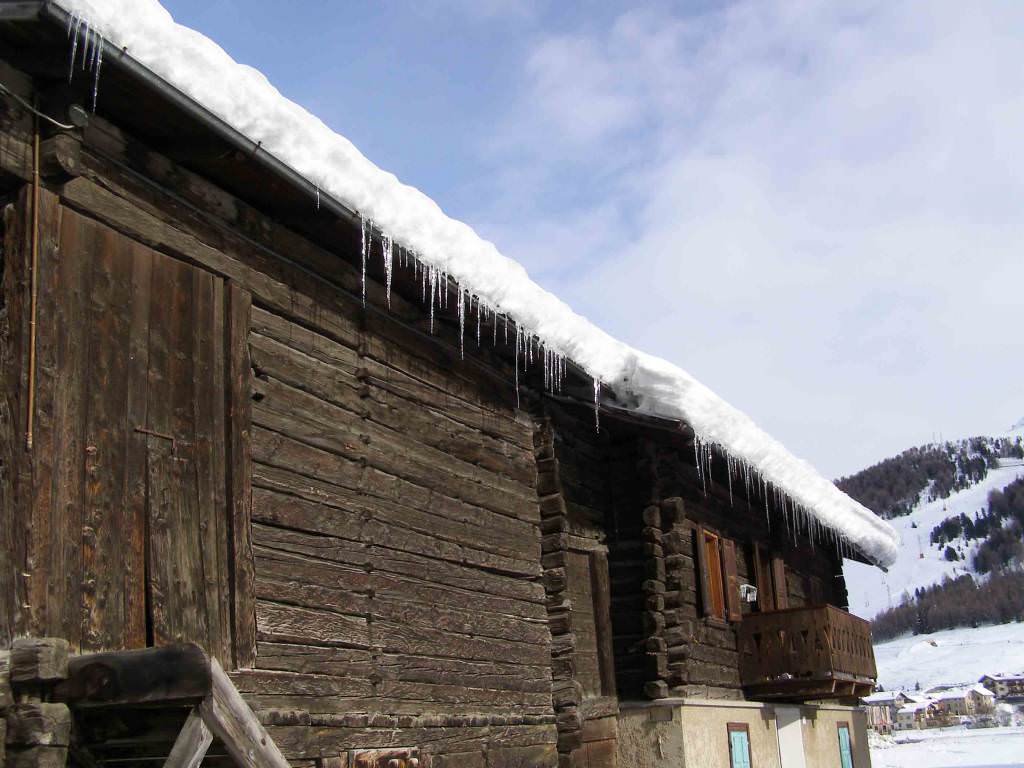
[950, 748]
[921, 564]
[952, 657]
[243, 98]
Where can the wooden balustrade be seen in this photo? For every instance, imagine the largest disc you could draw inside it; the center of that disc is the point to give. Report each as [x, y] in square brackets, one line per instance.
[806, 653]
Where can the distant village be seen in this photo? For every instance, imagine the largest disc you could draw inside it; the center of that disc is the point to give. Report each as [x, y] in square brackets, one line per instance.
[994, 700]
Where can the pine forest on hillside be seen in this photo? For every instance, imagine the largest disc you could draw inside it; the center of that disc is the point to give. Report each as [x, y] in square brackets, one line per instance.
[894, 486]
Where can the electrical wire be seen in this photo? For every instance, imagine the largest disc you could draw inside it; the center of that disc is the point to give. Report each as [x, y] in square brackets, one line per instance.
[8, 92]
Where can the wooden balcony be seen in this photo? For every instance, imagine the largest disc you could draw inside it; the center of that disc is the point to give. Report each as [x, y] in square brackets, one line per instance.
[799, 654]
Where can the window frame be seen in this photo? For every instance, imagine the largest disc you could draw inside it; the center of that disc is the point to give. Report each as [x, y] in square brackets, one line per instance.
[712, 575]
[744, 728]
[840, 727]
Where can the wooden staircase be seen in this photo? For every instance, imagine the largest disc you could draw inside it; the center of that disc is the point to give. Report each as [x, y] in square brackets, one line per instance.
[172, 706]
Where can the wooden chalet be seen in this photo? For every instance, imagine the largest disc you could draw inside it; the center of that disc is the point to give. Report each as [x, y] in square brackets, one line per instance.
[247, 517]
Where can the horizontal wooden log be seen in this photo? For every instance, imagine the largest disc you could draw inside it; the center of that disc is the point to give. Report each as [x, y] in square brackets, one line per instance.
[392, 574]
[289, 623]
[315, 422]
[358, 517]
[173, 673]
[431, 392]
[316, 659]
[39, 660]
[39, 724]
[344, 387]
[498, 533]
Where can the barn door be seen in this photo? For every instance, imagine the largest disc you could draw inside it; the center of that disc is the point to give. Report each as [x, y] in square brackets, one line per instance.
[128, 504]
[182, 427]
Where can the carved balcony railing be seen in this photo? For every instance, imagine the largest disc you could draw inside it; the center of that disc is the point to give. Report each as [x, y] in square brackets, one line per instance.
[806, 653]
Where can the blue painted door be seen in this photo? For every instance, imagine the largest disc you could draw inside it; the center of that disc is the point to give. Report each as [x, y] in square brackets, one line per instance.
[739, 749]
[845, 752]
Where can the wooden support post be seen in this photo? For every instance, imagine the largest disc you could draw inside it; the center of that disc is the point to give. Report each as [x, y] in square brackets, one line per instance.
[191, 745]
[236, 725]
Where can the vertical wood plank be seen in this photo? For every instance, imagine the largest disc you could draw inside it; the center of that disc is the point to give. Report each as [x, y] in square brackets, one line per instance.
[703, 577]
[732, 581]
[177, 597]
[59, 450]
[779, 582]
[136, 416]
[239, 475]
[105, 400]
[13, 346]
[208, 402]
[603, 616]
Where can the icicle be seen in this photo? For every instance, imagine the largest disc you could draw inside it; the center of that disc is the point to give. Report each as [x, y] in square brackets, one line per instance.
[462, 323]
[96, 64]
[696, 458]
[728, 473]
[506, 327]
[366, 233]
[479, 311]
[494, 317]
[387, 250]
[597, 404]
[433, 285]
[515, 360]
[76, 25]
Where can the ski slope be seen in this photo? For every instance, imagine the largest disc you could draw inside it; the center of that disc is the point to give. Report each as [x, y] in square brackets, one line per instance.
[919, 563]
[953, 656]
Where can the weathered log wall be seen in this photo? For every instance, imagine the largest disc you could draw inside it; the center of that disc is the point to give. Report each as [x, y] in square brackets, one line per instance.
[378, 500]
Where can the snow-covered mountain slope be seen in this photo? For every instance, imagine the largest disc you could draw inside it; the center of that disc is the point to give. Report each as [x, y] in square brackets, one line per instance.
[953, 656]
[920, 564]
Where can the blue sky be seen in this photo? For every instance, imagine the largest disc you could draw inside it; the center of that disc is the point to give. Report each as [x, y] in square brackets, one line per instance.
[812, 206]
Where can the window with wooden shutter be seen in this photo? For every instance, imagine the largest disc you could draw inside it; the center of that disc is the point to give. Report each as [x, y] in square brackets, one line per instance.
[709, 560]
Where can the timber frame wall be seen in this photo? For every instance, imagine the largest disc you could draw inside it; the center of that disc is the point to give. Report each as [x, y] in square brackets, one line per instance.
[382, 543]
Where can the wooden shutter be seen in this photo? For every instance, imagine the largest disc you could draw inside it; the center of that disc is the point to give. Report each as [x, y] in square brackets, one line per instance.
[779, 582]
[731, 580]
[702, 567]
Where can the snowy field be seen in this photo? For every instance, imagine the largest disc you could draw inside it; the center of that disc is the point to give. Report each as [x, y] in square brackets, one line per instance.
[953, 656]
[950, 748]
[919, 564]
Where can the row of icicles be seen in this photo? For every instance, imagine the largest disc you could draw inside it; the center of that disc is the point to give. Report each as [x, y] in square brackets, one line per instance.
[83, 36]
[434, 284]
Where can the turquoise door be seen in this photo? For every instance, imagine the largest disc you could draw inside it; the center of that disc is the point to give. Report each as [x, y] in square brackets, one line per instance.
[845, 753]
[739, 748]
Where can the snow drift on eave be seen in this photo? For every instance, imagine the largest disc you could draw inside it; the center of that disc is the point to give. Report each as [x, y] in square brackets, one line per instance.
[242, 97]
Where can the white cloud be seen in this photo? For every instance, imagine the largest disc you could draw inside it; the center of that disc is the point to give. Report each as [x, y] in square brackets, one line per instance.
[813, 206]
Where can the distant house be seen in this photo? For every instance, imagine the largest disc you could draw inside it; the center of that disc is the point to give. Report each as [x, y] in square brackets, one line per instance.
[915, 716]
[1006, 687]
[881, 709]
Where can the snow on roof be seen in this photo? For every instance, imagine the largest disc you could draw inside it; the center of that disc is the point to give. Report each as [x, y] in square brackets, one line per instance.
[882, 697]
[1005, 677]
[910, 709]
[243, 98]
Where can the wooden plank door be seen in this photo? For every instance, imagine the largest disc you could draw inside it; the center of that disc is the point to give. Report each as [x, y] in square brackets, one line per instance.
[184, 428]
[128, 504]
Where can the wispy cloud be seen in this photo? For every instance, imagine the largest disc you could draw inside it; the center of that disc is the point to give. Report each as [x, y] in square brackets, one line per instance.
[813, 206]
